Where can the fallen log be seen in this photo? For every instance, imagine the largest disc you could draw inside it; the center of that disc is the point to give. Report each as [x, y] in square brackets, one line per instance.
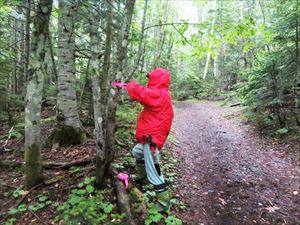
[125, 125]
[122, 198]
[48, 165]
[10, 164]
[67, 165]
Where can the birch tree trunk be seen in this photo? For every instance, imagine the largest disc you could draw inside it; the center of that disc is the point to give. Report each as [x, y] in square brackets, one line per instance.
[219, 49]
[33, 173]
[114, 93]
[210, 39]
[70, 130]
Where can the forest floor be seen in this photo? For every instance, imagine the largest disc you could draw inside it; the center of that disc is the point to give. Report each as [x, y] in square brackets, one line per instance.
[229, 173]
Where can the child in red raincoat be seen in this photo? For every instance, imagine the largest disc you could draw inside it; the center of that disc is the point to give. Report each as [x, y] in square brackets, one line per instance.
[153, 127]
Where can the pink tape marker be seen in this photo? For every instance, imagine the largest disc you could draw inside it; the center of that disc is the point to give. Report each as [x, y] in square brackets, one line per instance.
[118, 84]
[124, 177]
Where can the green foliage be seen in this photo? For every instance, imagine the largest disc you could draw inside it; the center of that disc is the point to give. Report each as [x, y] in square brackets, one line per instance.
[153, 215]
[42, 201]
[172, 220]
[51, 94]
[11, 221]
[85, 205]
[193, 87]
[281, 132]
[18, 192]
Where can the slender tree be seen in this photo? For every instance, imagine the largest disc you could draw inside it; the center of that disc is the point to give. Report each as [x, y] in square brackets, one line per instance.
[114, 93]
[210, 40]
[34, 93]
[94, 23]
[107, 54]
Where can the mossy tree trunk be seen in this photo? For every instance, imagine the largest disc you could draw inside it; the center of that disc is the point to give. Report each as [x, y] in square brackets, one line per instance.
[37, 68]
[114, 93]
[94, 23]
[68, 114]
[107, 55]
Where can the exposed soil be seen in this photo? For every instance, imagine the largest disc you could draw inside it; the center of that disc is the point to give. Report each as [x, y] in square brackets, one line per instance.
[229, 174]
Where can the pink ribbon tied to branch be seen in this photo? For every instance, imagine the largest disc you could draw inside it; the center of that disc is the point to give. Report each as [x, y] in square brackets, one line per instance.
[119, 84]
[124, 178]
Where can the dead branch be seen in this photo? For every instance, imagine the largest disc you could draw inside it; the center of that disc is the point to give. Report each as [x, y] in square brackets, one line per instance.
[236, 104]
[37, 217]
[121, 144]
[9, 136]
[125, 125]
[67, 165]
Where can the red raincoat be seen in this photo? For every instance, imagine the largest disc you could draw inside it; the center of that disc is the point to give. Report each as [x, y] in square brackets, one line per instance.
[156, 118]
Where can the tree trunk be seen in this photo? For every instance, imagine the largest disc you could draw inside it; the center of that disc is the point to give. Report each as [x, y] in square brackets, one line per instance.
[160, 43]
[33, 163]
[113, 100]
[54, 69]
[218, 55]
[107, 52]
[70, 130]
[210, 40]
[27, 42]
[141, 41]
[169, 52]
[94, 22]
[296, 77]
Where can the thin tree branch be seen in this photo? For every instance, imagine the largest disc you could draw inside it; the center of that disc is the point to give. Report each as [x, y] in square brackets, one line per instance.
[185, 39]
[170, 24]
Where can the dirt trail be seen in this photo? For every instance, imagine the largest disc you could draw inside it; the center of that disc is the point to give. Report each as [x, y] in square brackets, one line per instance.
[228, 175]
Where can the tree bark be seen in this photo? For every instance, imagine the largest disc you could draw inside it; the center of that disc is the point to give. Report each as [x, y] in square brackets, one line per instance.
[210, 40]
[94, 22]
[107, 53]
[33, 173]
[160, 43]
[114, 93]
[27, 41]
[122, 198]
[219, 49]
[70, 130]
[140, 51]
[296, 78]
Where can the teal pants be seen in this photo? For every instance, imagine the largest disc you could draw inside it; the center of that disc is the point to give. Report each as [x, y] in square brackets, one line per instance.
[143, 152]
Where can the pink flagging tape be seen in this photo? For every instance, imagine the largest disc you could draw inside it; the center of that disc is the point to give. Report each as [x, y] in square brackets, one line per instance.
[118, 84]
[124, 177]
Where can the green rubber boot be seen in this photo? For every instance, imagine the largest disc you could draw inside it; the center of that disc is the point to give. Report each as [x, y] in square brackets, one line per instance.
[141, 172]
[163, 199]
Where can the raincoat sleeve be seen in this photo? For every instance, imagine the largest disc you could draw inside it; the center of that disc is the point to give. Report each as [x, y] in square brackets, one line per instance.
[144, 95]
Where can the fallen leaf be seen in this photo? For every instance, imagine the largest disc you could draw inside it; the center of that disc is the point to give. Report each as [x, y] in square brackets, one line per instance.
[272, 208]
[223, 202]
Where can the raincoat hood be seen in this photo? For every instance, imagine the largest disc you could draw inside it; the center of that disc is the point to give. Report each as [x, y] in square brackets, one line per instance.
[159, 78]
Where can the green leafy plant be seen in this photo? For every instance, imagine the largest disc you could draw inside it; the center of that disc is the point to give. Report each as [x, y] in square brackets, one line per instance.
[85, 205]
[281, 132]
[172, 220]
[153, 215]
[11, 221]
